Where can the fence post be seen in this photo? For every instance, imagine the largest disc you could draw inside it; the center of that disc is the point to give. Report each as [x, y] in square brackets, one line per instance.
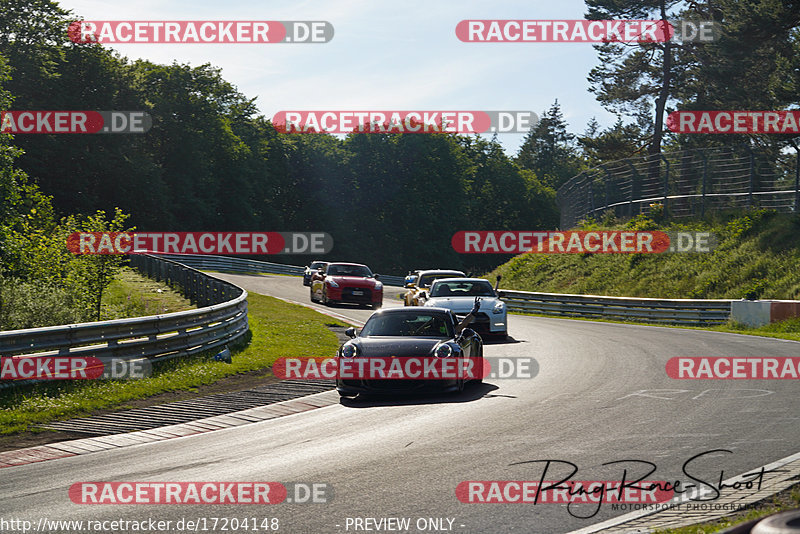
[752, 176]
[608, 186]
[797, 181]
[666, 183]
[703, 191]
[635, 180]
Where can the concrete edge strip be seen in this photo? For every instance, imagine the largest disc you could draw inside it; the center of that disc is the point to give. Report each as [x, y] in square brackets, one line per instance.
[626, 518]
[65, 449]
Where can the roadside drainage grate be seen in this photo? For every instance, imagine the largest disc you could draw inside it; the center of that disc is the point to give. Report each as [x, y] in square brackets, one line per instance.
[189, 410]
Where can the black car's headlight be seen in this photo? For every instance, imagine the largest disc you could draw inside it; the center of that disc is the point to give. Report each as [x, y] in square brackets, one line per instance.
[349, 350]
[443, 351]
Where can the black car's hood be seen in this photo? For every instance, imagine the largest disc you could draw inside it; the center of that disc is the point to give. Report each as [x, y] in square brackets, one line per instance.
[396, 346]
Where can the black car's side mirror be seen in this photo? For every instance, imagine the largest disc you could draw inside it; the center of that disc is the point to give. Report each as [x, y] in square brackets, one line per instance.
[465, 334]
[350, 332]
[376, 276]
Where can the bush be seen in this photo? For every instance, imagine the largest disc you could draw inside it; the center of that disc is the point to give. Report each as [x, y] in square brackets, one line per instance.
[35, 304]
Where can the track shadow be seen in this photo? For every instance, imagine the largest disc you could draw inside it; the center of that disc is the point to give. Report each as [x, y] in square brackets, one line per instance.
[472, 392]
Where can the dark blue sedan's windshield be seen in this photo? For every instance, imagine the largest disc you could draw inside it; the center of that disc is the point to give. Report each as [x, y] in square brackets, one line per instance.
[408, 324]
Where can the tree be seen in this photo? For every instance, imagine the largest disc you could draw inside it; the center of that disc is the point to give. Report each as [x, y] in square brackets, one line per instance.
[617, 142]
[549, 149]
[95, 272]
[754, 64]
[636, 79]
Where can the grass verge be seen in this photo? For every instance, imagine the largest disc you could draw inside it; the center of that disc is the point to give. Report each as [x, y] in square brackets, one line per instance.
[277, 329]
[756, 258]
[134, 295]
[788, 499]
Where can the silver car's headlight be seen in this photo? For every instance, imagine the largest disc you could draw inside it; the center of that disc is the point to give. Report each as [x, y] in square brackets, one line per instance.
[349, 350]
[499, 307]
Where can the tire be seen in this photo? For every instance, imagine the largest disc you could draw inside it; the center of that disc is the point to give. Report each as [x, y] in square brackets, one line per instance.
[347, 395]
[479, 380]
[460, 385]
[325, 300]
[312, 295]
[377, 305]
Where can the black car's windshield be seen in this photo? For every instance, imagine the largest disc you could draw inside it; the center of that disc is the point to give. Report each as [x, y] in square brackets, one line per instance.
[408, 324]
[349, 270]
[463, 288]
[316, 265]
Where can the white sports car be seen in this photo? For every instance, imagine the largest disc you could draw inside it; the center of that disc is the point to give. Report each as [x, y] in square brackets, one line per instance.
[458, 294]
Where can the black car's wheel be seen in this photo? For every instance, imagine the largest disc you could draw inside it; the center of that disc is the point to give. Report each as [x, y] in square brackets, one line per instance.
[377, 305]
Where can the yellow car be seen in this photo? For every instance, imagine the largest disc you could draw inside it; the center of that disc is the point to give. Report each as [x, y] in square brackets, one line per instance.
[417, 292]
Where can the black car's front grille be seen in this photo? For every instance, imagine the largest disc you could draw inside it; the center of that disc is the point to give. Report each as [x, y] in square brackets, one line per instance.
[391, 385]
[480, 323]
[357, 294]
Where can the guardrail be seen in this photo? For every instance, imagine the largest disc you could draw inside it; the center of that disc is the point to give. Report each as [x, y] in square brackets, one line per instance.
[229, 264]
[646, 310]
[221, 320]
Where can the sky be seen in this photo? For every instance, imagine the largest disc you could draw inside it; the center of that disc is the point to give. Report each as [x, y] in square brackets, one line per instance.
[383, 56]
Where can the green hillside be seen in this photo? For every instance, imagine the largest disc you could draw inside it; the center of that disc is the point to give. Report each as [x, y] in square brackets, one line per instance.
[758, 256]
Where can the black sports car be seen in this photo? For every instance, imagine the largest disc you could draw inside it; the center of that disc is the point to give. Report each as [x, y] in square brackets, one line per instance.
[409, 333]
